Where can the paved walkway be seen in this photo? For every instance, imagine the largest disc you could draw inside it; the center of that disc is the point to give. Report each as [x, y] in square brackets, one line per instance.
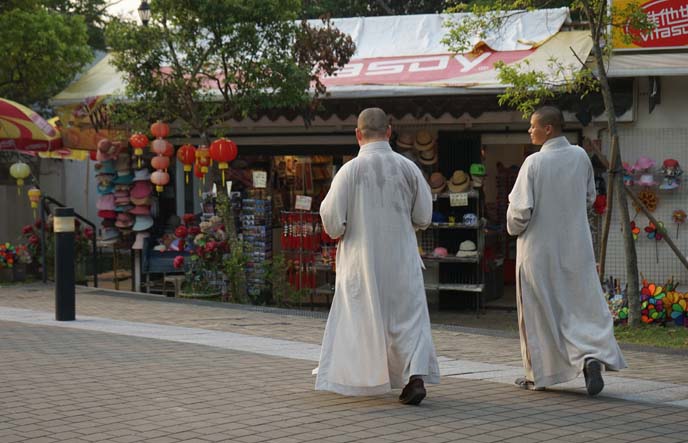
[131, 369]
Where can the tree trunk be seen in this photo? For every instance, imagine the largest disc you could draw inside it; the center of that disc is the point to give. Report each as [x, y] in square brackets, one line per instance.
[632, 291]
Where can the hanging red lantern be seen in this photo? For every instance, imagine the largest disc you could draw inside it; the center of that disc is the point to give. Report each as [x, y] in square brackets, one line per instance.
[160, 129]
[198, 172]
[138, 141]
[160, 162]
[160, 179]
[203, 158]
[186, 156]
[159, 146]
[223, 151]
[169, 149]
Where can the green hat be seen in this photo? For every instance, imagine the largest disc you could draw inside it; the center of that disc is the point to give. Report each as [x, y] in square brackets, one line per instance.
[477, 169]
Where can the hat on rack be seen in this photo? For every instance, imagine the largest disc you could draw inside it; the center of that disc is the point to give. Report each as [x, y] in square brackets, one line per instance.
[477, 171]
[141, 189]
[440, 252]
[437, 182]
[124, 220]
[438, 217]
[107, 214]
[124, 208]
[470, 219]
[424, 140]
[104, 156]
[143, 201]
[467, 249]
[123, 163]
[124, 179]
[643, 163]
[105, 167]
[459, 182]
[428, 157]
[143, 222]
[142, 175]
[140, 237]
[107, 234]
[140, 210]
[106, 202]
[405, 141]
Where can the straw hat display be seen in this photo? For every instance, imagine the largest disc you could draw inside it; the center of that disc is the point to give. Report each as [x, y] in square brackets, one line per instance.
[405, 141]
[425, 141]
[437, 182]
[428, 157]
[459, 182]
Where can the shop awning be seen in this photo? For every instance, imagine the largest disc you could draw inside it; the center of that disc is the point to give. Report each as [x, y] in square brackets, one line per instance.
[405, 56]
[22, 129]
[648, 64]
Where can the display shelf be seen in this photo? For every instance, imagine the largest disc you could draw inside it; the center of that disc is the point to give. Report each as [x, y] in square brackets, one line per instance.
[471, 194]
[457, 225]
[462, 287]
[452, 259]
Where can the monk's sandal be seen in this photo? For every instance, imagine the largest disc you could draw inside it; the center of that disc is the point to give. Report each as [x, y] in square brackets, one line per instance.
[524, 383]
[413, 393]
[593, 376]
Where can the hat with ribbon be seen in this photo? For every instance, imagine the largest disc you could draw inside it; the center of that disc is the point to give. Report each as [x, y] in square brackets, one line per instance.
[405, 140]
[459, 182]
[428, 157]
[109, 214]
[424, 140]
[143, 222]
[143, 201]
[142, 175]
[467, 249]
[437, 182]
[140, 238]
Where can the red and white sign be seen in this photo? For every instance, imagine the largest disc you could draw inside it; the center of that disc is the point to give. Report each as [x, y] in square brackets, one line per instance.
[670, 18]
[419, 69]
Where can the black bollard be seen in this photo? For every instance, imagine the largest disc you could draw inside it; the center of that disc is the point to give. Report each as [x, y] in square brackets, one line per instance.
[63, 226]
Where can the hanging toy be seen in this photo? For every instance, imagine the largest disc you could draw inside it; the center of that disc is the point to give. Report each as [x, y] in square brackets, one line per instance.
[679, 217]
[648, 199]
[628, 174]
[655, 233]
[635, 230]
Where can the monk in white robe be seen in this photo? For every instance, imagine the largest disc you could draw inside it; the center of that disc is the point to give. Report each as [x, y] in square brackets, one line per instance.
[564, 322]
[377, 336]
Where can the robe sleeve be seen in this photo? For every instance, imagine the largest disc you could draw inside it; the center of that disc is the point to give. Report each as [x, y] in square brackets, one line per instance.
[421, 214]
[521, 200]
[591, 193]
[334, 205]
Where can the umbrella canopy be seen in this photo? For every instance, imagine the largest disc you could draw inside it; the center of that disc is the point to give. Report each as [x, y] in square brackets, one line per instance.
[24, 130]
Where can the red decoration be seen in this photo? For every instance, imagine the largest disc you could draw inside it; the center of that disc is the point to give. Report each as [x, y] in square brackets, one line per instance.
[186, 155]
[169, 149]
[160, 162]
[223, 151]
[181, 231]
[159, 146]
[198, 172]
[160, 179]
[160, 129]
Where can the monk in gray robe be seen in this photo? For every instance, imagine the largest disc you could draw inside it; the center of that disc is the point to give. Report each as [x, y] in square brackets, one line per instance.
[564, 322]
[378, 333]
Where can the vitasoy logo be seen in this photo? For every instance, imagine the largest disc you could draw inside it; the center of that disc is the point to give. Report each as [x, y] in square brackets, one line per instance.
[670, 18]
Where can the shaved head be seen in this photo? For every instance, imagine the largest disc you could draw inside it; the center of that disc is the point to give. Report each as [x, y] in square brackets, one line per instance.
[373, 123]
[549, 115]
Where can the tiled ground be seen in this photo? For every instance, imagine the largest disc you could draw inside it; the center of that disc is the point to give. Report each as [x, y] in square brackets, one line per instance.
[66, 384]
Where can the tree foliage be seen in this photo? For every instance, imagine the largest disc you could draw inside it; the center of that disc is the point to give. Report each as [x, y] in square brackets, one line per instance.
[42, 51]
[208, 60]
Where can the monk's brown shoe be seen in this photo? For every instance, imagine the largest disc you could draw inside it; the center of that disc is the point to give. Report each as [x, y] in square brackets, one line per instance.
[593, 376]
[413, 393]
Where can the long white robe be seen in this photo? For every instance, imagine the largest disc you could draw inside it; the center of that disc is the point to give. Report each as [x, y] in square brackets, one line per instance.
[378, 330]
[563, 317]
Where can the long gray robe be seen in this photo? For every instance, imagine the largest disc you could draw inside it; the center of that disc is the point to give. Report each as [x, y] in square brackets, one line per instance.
[378, 330]
[563, 317]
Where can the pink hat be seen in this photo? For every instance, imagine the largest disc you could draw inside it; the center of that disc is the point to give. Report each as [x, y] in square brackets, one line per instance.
[440, 252]
[124, 220]
[140, 210]
[141, 189]
[107, 214]
[106, 202]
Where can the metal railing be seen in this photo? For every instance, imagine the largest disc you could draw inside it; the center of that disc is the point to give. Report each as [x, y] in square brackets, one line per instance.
[45, 208]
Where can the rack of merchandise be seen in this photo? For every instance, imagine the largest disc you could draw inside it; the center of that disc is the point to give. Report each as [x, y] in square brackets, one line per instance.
[256, 229]
[310, 253]
[452, 247]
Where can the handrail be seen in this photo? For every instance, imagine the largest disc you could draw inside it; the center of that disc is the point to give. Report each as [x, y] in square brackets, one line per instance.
[84, 220]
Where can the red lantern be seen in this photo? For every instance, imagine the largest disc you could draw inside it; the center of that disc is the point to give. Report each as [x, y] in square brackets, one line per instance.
[160, 179]
[169, 149]
[160, 129]
[186, 155]
[223, 151]
[138, 141]
[198, 172]
[203, 158]
[160, 162]
[159, 146]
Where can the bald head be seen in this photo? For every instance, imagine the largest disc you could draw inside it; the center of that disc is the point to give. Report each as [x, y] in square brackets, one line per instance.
[549, 115]
[373, 125]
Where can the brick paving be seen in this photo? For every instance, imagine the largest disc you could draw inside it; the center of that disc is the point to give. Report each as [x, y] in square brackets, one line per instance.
[66, 384]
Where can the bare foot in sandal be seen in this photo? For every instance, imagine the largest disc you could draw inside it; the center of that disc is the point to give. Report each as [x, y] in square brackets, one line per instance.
[524, 383]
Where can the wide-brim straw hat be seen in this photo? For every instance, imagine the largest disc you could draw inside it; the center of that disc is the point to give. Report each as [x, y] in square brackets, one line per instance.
[424, 140]
[428, 157]
[459, 182]
[405, 141]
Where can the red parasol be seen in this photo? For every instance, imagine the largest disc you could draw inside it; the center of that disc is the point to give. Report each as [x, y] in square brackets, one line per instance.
[23, 129]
